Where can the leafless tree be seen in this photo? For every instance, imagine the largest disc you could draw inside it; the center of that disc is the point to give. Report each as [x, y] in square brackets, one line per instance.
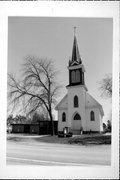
[38, 87]
[106, 86]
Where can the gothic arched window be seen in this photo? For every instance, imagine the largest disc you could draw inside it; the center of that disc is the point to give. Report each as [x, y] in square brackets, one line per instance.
[73, 76]
[77, 77]
[75, 101]
[77, 117]
[92, 116]
[63, 117]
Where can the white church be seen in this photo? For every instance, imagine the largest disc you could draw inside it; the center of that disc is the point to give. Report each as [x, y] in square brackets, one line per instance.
[78, 109]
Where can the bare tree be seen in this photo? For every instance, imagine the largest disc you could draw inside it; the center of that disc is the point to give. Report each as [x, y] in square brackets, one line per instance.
[106, 89]
[38, 87]
[106, 86]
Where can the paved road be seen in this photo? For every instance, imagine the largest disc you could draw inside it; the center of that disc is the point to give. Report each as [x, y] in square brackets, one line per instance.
[57, 154]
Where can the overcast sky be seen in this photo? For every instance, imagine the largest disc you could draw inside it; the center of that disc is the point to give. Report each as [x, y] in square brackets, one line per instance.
[53, 38]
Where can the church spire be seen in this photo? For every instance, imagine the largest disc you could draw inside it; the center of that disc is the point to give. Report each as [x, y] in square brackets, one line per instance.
[75, 67]
[75, 51]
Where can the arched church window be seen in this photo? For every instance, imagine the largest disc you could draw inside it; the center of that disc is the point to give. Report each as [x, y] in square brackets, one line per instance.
[75, 101]
[92, 116]
[63, 117]
[77, 77]
[73, 76]
[77, 117]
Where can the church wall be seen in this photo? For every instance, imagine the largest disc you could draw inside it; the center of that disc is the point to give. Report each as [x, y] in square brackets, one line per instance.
[62, 124]
[93, 125]
[101, 123]
[80, 92]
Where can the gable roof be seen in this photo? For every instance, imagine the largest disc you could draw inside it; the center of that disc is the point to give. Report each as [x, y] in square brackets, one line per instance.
[92, 102]
[63, 104]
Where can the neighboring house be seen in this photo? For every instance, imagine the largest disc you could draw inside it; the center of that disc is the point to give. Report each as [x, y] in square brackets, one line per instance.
[78, 110]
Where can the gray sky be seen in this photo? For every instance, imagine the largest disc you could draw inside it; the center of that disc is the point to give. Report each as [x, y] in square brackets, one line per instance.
[53, 38]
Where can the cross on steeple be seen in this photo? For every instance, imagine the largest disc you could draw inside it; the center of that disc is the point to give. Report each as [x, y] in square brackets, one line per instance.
[75, 30]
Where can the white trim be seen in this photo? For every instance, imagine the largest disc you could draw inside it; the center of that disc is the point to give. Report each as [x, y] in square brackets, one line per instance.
[77, 86]
[77, 67]
[75, 62]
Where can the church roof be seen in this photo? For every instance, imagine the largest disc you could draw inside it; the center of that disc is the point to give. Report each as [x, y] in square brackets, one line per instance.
[76, 59]
[93, 103]
[63, 104]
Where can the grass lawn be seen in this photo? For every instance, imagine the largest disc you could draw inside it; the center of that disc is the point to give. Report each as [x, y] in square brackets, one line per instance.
[80, 140]
[91, 139]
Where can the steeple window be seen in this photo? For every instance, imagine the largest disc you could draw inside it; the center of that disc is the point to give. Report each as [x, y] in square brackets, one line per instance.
[77, 77]
[76, 104]
[73, 76]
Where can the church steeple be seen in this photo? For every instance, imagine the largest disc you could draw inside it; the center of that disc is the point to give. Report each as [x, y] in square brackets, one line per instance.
[76, 68]
[76, 59]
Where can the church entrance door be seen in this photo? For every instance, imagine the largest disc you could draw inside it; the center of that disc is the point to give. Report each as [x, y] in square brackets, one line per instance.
[76, 123]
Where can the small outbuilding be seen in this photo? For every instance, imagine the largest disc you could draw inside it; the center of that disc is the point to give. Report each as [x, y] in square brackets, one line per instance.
[42, 128]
